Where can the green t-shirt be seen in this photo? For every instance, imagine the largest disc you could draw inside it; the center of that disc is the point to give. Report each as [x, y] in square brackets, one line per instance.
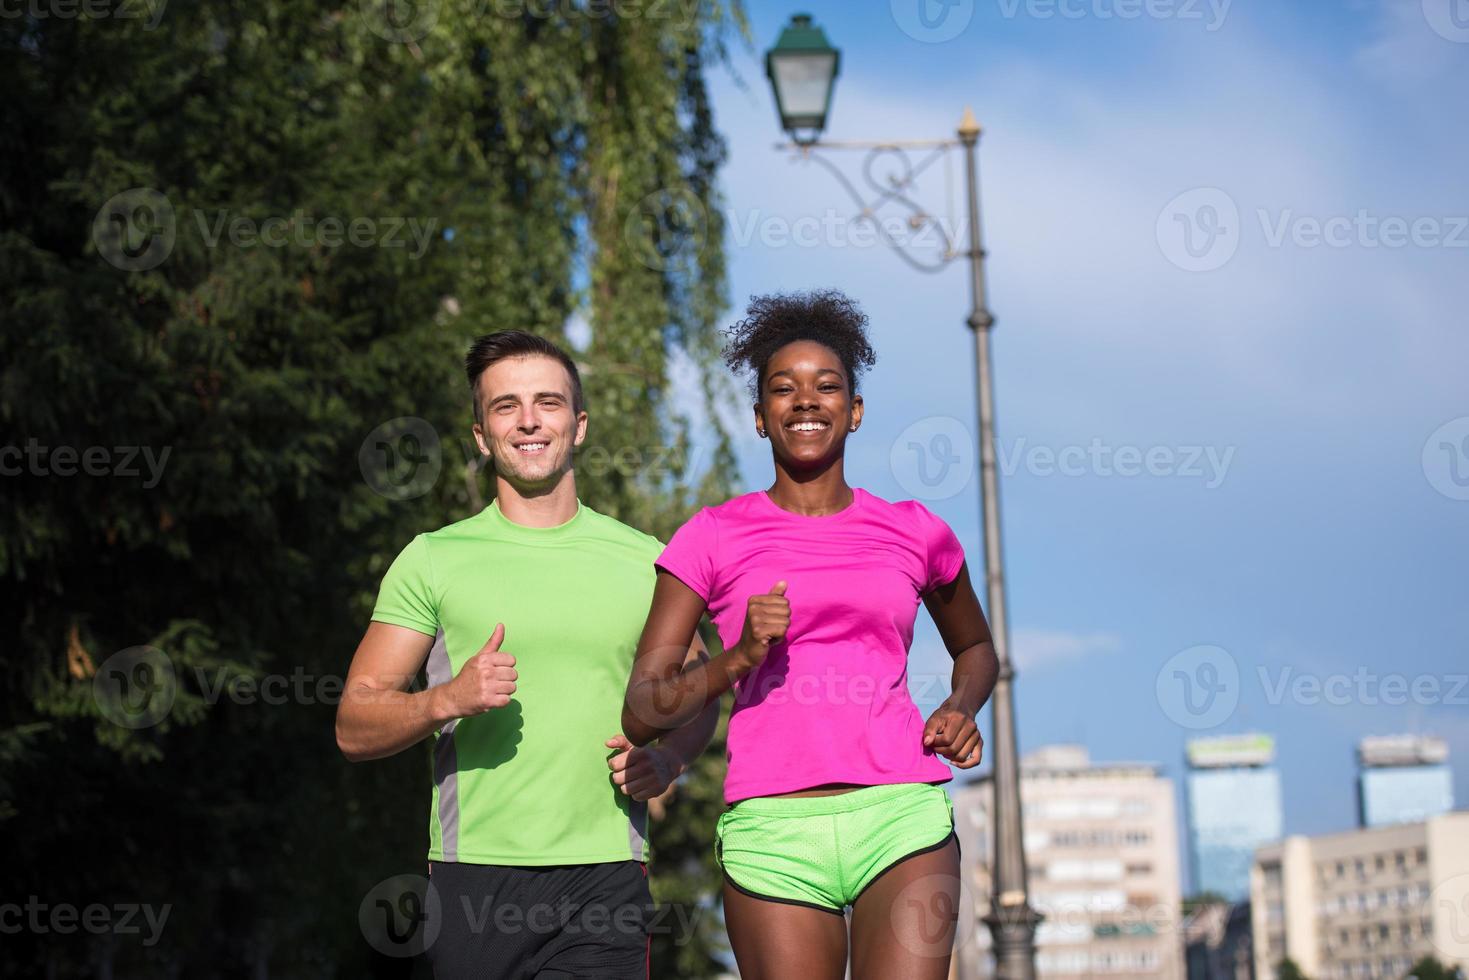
[528, 784]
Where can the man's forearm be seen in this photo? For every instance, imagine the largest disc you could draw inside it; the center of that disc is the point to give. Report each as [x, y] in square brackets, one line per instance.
[374, 723]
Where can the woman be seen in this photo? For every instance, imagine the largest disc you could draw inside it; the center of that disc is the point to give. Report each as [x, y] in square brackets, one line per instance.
[813, 586]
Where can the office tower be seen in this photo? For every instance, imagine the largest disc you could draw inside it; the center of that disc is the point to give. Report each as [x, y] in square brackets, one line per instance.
[1101, 849]
[1403, 779]
[1364, 903]
[1217, 944]
[1233, 807]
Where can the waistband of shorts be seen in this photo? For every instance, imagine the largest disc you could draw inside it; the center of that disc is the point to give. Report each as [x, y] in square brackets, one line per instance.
[811, 806]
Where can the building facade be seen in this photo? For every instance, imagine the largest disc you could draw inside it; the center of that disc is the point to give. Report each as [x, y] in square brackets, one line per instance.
[1233, 795]
[1365, 904]
[1102, 862]
[1403, 779]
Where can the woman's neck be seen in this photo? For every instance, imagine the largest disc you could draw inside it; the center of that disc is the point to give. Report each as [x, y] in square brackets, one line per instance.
[811, 494]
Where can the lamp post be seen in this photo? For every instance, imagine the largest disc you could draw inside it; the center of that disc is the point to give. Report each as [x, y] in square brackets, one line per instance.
[802, 68]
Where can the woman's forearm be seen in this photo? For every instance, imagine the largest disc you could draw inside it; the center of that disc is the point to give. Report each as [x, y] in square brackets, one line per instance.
[657, 705]
[688, 741]
[975, 671]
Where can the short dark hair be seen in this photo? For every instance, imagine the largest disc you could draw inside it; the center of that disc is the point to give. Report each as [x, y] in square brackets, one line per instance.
[497, 346]
[826, 316]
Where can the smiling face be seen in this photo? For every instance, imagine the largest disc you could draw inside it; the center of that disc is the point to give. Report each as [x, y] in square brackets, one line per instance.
[529, 425]
[806, 406]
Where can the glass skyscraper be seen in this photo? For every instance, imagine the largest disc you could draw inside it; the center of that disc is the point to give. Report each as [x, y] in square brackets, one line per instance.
[1233, 796]
[1404, 779]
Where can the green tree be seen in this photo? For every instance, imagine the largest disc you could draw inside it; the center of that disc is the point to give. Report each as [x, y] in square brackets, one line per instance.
[1429, 968]
[1289, 970]
[1193, 903]
[204, 470]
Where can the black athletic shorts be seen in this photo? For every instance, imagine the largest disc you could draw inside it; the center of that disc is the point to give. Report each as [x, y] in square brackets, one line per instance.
[553, 923]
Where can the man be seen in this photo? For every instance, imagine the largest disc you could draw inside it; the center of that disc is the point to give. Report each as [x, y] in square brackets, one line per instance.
[528, 615]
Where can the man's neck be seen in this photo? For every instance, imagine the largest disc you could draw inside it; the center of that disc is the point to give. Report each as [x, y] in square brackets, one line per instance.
[545, 508]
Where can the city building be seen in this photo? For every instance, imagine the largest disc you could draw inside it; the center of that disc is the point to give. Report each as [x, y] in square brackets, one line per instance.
[1101, 850]
[1217, 943]
[1233, 798]
[1403, 779]
[1364, 904]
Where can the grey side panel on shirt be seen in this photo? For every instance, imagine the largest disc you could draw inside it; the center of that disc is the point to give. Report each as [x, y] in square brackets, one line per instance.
[637, 828]
[446, 760]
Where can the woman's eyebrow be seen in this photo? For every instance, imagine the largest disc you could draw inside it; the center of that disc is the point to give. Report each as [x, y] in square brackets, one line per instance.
[788, 374]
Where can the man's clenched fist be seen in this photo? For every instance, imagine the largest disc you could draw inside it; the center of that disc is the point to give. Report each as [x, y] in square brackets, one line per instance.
[641, 773]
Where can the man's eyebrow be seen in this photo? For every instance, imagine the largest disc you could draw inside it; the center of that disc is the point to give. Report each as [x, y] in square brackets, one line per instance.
[509, 396]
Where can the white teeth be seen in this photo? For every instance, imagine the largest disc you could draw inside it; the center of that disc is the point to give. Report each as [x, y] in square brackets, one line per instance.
[807, 426]
[530, 447]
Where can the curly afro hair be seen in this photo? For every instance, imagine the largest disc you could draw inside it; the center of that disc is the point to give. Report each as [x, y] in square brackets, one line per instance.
[826, 316]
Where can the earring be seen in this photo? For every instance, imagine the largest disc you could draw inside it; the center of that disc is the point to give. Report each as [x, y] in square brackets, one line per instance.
[762, 433]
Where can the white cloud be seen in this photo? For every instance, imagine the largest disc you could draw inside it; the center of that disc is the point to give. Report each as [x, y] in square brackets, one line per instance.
[1046, 647]
[1098, 325]
[1406, 49]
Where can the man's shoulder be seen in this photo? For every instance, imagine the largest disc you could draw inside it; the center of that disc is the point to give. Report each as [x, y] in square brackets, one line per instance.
[473, 526]
[615, 531]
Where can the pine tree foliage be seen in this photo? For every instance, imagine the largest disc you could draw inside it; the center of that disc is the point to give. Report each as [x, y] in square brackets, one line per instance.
[240, 244]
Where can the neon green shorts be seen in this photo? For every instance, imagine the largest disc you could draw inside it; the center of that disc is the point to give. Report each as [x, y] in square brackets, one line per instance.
[823, 851]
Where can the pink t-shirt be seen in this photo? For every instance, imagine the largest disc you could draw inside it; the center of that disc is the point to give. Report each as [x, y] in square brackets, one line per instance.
[830, 704]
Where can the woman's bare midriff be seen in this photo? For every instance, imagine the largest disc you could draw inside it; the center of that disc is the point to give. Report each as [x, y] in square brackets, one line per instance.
[830, 789]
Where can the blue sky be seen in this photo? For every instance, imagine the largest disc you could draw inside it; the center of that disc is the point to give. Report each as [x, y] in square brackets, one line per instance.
[1323, 541]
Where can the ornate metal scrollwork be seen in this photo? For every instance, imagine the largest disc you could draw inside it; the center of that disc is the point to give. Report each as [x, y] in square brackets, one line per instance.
[891, 176]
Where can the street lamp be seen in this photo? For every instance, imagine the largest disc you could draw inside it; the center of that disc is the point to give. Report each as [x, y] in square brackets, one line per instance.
[802, 67]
